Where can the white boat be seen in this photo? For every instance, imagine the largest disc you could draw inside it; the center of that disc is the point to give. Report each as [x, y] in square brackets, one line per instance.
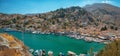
[34, 32]
[40, 52]
[50, 53]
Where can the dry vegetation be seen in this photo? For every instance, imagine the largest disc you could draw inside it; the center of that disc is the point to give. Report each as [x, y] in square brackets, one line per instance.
[112, 49]
[14, 47]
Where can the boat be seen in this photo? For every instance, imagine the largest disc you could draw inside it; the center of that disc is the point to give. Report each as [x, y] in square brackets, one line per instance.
[70, 53]
[8, 30]
[61, 54]
[40, 52]
[36, 53]
[35, 32]
[31, 50]
[50, 53]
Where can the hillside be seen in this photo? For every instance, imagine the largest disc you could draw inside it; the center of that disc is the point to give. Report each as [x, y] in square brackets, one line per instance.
[61, 18]
[105, 12]
[10, 46]
[96, 19]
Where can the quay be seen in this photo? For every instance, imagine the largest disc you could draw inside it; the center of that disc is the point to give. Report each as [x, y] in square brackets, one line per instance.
[51, 53]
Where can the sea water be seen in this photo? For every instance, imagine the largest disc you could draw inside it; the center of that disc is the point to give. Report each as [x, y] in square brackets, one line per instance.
[56, 43]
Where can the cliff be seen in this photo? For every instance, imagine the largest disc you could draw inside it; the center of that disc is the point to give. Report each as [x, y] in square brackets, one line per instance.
[11, 46]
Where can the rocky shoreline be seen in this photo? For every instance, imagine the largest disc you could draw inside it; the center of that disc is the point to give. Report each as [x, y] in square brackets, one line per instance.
[11, 46]
[86, 37]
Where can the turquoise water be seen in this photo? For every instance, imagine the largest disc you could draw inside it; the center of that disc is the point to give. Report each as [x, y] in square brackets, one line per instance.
[57, 43]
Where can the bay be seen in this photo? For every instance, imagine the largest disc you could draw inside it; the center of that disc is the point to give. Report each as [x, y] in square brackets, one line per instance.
[56, 43]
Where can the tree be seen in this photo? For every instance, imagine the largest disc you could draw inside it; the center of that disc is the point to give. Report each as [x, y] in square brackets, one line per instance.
[111, 49]
[104, 28]
[116, 28]
[111, 27]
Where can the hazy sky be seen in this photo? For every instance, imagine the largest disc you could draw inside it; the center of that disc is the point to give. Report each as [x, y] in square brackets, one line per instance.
[41, 6]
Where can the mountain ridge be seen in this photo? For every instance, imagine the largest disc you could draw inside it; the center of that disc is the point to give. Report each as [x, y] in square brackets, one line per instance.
[65, 19]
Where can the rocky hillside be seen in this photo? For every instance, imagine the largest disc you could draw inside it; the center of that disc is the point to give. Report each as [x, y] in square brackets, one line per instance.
[10, 46]
[106, 13]
[90, 19]
[61, 18]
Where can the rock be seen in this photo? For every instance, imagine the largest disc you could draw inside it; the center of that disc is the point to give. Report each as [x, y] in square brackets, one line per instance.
[11, 46]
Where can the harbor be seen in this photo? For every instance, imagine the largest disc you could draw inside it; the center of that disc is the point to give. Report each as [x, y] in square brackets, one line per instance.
[51, 53]
[59, 28]
[56, 43]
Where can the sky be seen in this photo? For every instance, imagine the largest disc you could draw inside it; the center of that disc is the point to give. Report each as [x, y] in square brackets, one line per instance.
[42, 6]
